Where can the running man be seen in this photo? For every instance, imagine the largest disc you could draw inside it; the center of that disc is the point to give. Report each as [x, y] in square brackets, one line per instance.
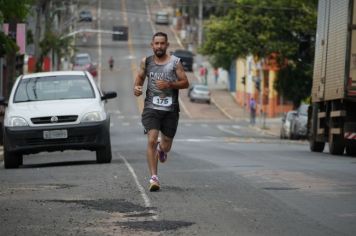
[160, 115]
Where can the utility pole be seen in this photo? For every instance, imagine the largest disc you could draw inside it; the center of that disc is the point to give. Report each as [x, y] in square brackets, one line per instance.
[200, 20]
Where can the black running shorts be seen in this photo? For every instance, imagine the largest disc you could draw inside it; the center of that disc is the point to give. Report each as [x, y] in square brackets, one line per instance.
[165, 121]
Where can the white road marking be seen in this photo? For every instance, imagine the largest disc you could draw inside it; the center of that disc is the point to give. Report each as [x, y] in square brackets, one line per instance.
[227, 130]
[146, 199]
[236, 127]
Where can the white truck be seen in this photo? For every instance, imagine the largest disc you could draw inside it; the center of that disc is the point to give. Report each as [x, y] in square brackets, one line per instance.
[332, 114]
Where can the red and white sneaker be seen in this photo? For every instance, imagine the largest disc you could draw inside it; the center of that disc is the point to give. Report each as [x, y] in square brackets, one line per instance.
[154, 183]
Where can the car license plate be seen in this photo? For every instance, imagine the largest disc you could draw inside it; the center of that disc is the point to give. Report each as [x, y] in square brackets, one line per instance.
[55, 134]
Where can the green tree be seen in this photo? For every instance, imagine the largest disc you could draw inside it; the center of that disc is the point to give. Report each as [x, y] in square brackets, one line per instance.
[261, 27]
[11, 12]
[53, 41]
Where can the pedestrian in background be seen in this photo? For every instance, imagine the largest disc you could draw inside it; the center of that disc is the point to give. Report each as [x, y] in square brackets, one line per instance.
[206, 75]
[202, 72]
[216, 75]
[252, 111]
[111, 63]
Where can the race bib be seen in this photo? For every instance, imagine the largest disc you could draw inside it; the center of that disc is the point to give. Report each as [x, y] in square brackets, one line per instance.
[162, 101]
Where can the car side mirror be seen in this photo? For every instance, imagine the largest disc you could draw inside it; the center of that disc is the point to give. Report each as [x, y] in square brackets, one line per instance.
[109, 95]
[3, 101]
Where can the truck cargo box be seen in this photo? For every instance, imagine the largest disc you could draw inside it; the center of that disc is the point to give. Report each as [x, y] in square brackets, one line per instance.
[335, 53]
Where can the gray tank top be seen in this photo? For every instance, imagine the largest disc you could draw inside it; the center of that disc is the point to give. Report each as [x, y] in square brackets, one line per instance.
[167, 99]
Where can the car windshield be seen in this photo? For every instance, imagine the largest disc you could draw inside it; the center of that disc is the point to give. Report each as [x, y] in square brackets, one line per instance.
[201, 88]
[303, 110]
[82, 60]
[53, 88]
[182, 53]
[290, 115]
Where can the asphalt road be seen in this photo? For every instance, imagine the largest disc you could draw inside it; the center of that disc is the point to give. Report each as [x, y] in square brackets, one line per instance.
[221, 178]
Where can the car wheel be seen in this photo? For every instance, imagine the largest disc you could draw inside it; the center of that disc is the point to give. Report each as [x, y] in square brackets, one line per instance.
[12, 160]
[103, 155]
[208, 102]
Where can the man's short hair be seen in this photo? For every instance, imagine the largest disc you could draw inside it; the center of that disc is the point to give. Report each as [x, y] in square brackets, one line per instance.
[160, 34]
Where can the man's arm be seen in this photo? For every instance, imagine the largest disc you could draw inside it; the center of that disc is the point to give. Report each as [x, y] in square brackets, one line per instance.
[181, 83]
[140, 78]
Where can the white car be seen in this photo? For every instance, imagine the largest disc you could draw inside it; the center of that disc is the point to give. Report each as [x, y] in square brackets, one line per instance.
[56, 111]
[286, 124]
[199, 92]
[162, 17]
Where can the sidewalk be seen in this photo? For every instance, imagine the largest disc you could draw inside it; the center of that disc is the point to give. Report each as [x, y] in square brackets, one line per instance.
[225, 101]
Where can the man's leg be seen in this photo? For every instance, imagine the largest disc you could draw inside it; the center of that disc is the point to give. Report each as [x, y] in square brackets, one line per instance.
[152, 161]
[166, 143]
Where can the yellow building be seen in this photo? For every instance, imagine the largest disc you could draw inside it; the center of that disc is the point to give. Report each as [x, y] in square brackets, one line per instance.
[255, 78]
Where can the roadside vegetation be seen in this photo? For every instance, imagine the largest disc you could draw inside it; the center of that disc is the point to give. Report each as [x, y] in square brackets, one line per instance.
[262, 28]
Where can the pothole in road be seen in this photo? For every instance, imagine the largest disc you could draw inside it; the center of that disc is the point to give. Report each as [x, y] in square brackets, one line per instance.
[155, 226]
[39, 187]
[134, 211]
[108, 205]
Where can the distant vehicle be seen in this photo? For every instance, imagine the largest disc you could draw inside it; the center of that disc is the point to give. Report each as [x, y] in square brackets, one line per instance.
[187, 58]
[200, 92]
[85, 15]
[162, 17]
[121, 33]
[299, 124]
[82, 61]
[286, 124]
[56, 111]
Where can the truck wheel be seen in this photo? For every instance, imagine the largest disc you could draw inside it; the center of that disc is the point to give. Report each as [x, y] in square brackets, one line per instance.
[350, 148]
[336, 144]
[103, 155]
[316, 146]
[12, 160]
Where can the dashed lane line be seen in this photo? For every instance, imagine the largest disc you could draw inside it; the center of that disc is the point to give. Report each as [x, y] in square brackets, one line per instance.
[146, 199]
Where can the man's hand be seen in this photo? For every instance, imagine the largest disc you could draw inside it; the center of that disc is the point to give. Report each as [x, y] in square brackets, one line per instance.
[162, 84]
[137, 90]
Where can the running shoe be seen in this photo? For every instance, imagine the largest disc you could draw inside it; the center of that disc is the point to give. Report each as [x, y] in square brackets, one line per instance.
[161, 155]
[154, 184]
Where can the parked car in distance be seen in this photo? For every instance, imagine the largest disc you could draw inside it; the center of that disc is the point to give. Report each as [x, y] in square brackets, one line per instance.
[85, 15]
[82, 61]
[286, 124]
[299, 123]
[186, 57]
[200, 92]
[162, 17]
[121, 33]
[56, 111]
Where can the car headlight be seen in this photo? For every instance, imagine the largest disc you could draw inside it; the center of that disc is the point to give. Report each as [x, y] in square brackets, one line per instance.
[16, 121]
[93, 117]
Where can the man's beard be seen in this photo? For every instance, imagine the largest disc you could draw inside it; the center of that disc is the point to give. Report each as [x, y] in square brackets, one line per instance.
[160, 53]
